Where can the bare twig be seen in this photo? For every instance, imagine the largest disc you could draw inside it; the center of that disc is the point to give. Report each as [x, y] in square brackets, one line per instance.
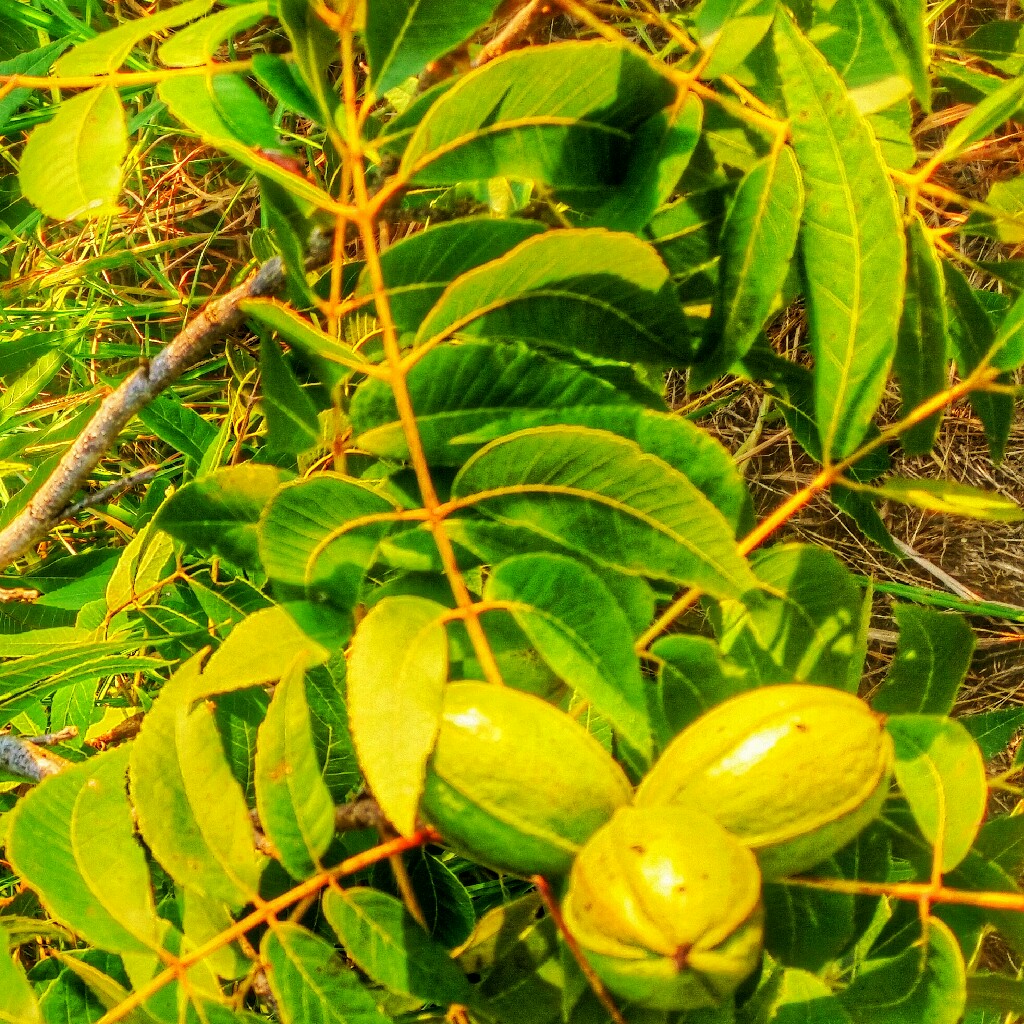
[50, 739]
[517, 27]
[52, 502]
[141, 476]
[22, 757]
[940, 574]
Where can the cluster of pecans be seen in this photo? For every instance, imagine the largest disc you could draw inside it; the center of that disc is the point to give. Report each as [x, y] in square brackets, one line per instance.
[664, 884]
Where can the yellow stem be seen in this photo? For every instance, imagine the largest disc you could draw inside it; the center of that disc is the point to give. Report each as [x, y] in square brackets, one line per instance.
[120, 78]
[393, 354]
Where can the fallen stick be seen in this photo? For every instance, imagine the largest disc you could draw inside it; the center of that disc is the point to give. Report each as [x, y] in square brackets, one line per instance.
[54, 499]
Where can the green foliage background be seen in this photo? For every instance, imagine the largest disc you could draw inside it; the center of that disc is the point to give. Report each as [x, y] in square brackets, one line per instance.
[447, 452]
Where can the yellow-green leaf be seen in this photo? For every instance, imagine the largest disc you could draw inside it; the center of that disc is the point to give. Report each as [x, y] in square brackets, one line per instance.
[397, 667]
[106, 52]
[295, 806]
[71, 166]
[191, 810]
[951, 498]
[91, 874]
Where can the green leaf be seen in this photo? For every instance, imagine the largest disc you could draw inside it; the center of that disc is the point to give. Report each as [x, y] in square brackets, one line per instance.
[1001, 218]
[562, 114]
[973, 337]
[731, 29]
[994, 730]
[1001, 840]
[932, 658]
[197, 44]
[951, 498]
[417, 269]
[325, 697]
[179, 426]
[259, 650]
[984, 119]
[922, 347]
[517, 959]
[218, 513]
[106, 991]
[191, 811]
[999, 43]
[315, 48]
[225, 112]
[806, 623]
[379, 934]
[33, 62]
[24, 681]
[593, 492]
[106, 52]
[321, 534]
[291, 415]
[477, 390]
[759, 239]
[91, 874]
[284, 82]
[925, 983]
[686, 236]
[799, 997]
[398, 660]
[851, 241]
[17, 1002]
[310, 981]
[661, 151]
[869, 43]
[443, 900]
[221, 106]
[995, 992]
[295, 806]
[941, 773]
[807, 928]
[202, 919]
[685, 447]
[980, 874]
[606, 294]
[239, 715]
[1009, 343]
[583, 635]
[68, 999]
[21, 392]
[694, 676]
[404, 36]
[71, 166]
